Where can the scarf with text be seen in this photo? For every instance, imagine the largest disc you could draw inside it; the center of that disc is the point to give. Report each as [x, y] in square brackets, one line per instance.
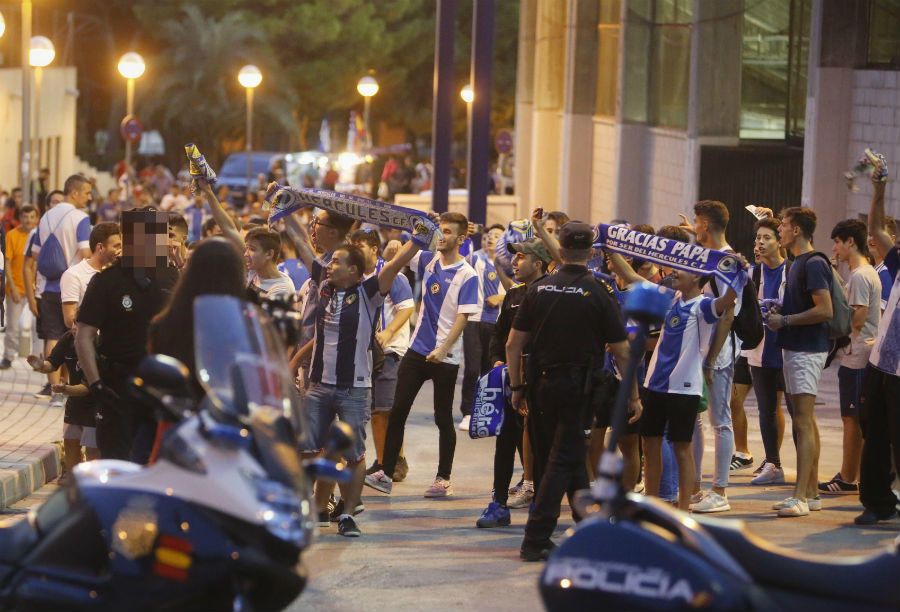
[283, 201]
[672, 254]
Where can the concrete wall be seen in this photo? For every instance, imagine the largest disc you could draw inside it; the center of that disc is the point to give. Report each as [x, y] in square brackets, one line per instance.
[875, 123]
[604, 171]
[666, 153]
[57, 123]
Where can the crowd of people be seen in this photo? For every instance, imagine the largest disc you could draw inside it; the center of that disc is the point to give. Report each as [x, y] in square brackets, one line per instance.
[107, 283]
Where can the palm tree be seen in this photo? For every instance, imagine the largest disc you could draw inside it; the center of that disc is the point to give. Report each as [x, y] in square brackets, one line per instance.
[194, 94]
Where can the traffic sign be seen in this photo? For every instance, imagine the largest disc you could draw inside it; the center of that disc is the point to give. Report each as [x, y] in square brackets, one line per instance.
[132, 129]
[504, 142]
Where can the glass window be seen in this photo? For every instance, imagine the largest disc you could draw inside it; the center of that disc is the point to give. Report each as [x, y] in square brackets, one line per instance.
[884, 33]
[670, 63]
[608, 57]
[774, 69]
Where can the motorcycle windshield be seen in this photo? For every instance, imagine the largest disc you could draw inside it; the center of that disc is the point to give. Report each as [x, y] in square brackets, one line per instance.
[240, 357]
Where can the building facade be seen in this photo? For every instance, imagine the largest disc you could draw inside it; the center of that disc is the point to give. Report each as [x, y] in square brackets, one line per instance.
[636, 109]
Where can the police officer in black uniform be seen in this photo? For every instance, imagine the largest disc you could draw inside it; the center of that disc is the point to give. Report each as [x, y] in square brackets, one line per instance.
[567, 320]
[119, 303]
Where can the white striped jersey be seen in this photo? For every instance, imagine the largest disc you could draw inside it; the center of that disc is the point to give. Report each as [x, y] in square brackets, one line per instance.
[677, 362]
[446, 293]
[345, 318]
[489, 282]
[399, 297]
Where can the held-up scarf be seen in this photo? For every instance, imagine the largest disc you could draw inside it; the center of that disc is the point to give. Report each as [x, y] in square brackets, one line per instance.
[672, 254]
[283, 201]
[198, 167]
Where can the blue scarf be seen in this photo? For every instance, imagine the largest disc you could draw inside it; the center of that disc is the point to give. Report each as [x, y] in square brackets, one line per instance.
[491, 400]
[672, 254]
[283, 201]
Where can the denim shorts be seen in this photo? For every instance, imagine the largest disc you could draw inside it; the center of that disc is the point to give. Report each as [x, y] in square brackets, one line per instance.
[384, 384]
[322, 403]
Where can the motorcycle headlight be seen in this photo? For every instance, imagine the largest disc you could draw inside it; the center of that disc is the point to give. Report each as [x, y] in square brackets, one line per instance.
[283, 512]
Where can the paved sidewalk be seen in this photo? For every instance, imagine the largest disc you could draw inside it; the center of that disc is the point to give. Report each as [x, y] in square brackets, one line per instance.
[30, 434]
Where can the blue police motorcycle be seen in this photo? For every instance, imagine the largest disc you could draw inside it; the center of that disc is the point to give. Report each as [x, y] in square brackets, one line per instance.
[635, 553]
[219, 522]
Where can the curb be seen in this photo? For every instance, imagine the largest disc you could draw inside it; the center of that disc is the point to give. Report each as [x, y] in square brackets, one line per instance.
[18, 480]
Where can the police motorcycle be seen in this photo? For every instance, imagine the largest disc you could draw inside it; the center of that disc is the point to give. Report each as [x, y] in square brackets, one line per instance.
[217, 523]
[637, 553]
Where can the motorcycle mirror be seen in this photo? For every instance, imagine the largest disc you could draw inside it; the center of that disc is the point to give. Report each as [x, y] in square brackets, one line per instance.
[326, 470]
[165, 374]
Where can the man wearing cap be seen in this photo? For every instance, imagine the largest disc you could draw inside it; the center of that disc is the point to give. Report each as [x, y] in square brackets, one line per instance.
[530, 261]
[562, 358]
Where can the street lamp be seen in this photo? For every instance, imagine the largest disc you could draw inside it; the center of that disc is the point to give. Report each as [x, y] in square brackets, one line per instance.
[249, 77]
[40, 55]
[131, 66]
[367, 87]
[2, 25]
[467, 94]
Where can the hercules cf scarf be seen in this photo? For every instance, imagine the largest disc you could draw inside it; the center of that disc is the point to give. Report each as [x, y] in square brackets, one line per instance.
[283, 201]
[198, 167]
[672, 254]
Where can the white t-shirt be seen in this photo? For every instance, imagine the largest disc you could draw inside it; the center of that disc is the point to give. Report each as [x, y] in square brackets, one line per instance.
[75, 280]
[176, 203]
[863, 289]
[282, 285]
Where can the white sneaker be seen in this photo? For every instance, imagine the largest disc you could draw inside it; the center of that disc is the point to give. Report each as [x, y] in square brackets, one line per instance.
[712, 502]
[814, 503]
[770, 474]
[697, 497]
[523, 497]
[793, 507]
[440, 488]
[380, 482]
[464, 424]
[58, 400]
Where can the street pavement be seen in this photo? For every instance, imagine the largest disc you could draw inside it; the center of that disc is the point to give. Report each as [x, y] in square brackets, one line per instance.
[417, 553]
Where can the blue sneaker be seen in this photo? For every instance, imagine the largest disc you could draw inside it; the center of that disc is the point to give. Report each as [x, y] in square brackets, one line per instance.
[494, 515]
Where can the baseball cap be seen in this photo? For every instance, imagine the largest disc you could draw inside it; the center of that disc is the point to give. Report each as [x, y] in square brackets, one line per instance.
[535, 247]
[576, 235]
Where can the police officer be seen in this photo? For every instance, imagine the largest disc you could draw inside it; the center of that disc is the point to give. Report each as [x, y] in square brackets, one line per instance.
[567, 320]
[119, 303]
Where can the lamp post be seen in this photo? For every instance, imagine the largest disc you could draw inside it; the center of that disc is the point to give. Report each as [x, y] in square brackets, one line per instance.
[25, 166]
[131, 66]
[367, 87]
[40, 55]
[249, 77]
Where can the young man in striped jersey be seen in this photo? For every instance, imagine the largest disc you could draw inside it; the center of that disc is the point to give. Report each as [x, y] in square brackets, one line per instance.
[340, 377]
[450, 293]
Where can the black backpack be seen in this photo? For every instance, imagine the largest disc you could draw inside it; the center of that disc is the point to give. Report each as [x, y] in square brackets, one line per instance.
[748, 323]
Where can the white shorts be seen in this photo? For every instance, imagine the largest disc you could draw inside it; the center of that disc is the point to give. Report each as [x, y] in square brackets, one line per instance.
[87, 435]
[802, 371]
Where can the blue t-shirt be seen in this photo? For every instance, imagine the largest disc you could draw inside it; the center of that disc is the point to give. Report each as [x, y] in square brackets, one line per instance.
[295, 269]
[771, 281]
[798, 298]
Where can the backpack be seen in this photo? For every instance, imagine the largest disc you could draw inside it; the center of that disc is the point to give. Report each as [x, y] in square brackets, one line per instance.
[52, 260]
[840, 324]
[747, 324]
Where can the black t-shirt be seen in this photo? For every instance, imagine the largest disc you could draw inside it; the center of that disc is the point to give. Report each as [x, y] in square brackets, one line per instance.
[121, 308]
[81, 408]
[508, 310]
[571, 317]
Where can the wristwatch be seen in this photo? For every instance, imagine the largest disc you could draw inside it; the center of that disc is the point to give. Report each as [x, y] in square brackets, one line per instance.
[785, 320]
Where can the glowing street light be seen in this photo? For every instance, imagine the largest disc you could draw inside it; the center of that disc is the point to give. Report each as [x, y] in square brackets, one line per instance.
[2, 25]
[41, 52]
[367, 87]
[40, 55]
[467, 94]
[131, 65]
[249, 77]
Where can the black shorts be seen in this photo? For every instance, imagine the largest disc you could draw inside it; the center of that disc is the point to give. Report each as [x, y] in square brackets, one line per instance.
[52, 326]
[669, 413]
[80, 411]
[742, 372]
[604, 412]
